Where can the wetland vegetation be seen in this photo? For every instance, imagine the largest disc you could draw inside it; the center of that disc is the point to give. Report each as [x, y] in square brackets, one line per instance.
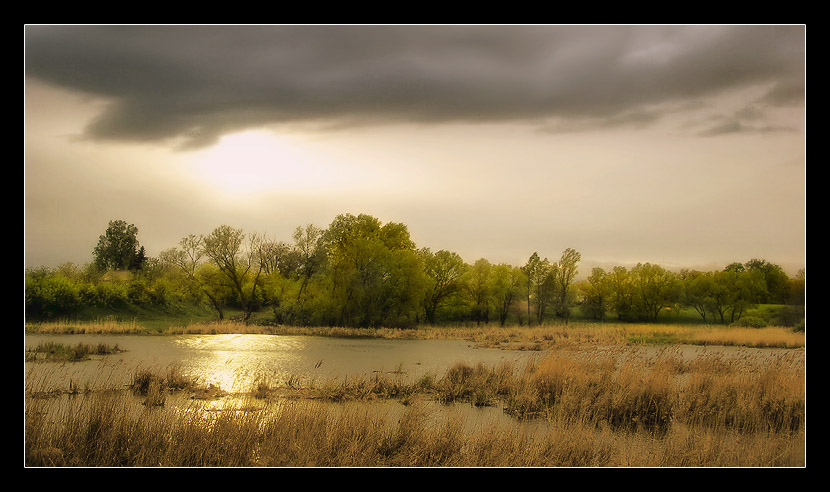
[617, 369]
[568, 407]
[589, 397]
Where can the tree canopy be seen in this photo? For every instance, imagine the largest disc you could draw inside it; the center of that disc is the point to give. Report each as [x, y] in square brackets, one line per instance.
[118, 248]
[360, 272]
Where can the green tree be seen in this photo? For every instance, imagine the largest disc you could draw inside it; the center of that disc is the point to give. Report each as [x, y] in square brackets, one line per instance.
[792, 314]
[506, 285]
[443, 270]
[307, 242]
[655, 289]
[478, 284]
[732, 292]
[541, 286]
[373, 269]
[622, 293]
[241, 265]
[118, 248]
[279, 256]
[188, 259]
[565, 272]
[281, 295]
[697, 291]
[775, 279]
[596, 292]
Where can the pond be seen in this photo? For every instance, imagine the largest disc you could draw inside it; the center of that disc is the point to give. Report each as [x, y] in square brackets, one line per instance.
[231, 362]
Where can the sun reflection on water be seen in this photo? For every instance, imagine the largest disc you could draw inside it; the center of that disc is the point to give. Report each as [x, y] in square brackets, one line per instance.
[234, 362]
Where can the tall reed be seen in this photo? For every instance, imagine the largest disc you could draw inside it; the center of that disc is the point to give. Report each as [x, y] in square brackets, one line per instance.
[570, 408]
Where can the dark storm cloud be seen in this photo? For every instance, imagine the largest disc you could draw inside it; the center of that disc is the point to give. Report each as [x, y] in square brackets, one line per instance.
[194, 83]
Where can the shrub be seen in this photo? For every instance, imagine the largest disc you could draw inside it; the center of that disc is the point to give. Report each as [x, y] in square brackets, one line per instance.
[50, 296]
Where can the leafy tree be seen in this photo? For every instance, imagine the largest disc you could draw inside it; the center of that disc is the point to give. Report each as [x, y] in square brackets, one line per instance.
[775, 279]
[118, 248]
[279, 256]
[309, 253]
[187, 258]
[596, 294]
[372, 268]
[478, 284]
[567, 269]
[792, 314]
[443, 270]
[655, 288]
[281, 295]
[622, 293]
[541, 277]
[732, 292]
[697, 290]
[240, 265]
[506, 285]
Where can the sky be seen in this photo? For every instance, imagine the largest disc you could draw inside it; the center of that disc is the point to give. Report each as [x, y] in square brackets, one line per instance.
[680, 145]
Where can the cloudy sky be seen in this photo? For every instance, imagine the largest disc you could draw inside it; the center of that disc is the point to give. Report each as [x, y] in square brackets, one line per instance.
[678, 145]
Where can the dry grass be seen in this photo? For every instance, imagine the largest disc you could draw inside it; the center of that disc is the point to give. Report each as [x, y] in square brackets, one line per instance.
[570, 408]
[535, 337]
[98, 327]
[511, 337]
[777, 337]
[308, 433]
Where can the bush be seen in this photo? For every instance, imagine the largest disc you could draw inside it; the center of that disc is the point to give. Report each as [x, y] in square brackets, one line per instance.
[137, 292]
[50, 296]
[112, 295]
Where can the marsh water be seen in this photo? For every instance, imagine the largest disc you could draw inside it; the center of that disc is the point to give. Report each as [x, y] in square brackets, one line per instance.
[231, 362]
[234, 362]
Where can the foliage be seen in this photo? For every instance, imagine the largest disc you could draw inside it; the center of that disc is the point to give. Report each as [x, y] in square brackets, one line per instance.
[118, 248]
[359, 272]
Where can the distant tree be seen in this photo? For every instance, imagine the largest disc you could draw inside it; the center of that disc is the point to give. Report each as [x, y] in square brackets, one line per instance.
[697, 290]
[373, 272]
[506, 284]
[443, 270]
[655, 288]
[240, 265]
[776, 280]
[307, 241]
[478, 284]
[275, 257]
[793, 313]
[541, 287]
[187, 259]
[732, 292]
[567, 269]
[622, 293]
[118, 248]
[596, 294]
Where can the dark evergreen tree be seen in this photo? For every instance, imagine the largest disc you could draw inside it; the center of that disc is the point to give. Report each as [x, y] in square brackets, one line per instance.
[118, 248]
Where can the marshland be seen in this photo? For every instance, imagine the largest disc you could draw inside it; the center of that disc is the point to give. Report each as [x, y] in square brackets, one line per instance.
[353, 347]
[581, 395]
[606, 264]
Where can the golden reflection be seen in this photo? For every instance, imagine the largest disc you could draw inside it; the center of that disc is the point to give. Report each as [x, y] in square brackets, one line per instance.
[233, 362]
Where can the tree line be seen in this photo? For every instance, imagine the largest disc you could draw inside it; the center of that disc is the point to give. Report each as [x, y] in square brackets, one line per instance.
[359, 272]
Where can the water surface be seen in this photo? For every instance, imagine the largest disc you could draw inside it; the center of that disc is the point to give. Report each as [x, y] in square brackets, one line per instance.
[233, 361]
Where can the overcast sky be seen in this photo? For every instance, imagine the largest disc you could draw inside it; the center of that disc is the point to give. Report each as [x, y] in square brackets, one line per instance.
[678, 145]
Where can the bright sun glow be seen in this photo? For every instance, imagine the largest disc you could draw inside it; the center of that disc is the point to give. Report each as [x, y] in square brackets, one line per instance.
[259, 162]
